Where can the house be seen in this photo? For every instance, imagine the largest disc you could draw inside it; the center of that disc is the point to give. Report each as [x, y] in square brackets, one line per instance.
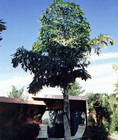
[47, 113]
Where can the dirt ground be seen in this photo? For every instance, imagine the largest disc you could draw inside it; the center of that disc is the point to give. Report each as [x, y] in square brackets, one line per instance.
[114, 137]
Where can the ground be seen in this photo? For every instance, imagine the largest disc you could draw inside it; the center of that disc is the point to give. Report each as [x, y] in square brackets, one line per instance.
[114, 137]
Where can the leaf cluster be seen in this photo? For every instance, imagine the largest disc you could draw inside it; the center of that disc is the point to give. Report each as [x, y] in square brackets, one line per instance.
[102, 40]
[2, 27]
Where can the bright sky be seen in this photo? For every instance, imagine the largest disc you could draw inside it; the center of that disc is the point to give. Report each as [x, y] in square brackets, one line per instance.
[23, 26]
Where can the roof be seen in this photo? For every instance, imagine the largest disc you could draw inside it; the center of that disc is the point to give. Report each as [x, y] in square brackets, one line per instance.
[20, 101]
[56, 102]
[60, 97]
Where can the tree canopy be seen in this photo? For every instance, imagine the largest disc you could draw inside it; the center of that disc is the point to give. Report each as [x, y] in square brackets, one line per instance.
[60, 53]
[75, 89]
[15, 93]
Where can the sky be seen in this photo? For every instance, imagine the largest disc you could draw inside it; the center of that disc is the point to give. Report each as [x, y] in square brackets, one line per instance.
[23, 27]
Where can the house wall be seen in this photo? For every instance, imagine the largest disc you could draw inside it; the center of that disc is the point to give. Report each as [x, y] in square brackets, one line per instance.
[14, 114]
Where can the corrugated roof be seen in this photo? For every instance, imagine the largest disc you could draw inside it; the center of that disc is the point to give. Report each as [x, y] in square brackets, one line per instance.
[20, 101]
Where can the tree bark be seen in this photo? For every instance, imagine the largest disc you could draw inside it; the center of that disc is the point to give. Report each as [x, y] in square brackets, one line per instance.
[66, 116]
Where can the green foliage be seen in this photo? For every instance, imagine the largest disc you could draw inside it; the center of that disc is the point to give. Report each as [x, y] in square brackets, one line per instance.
[65, 24]
[75, 89]
[106, 107]
[2, 27]
[113, 101]
[115, 67]
[15, 93]
[102, 40]
[116, 87]
[59, 55]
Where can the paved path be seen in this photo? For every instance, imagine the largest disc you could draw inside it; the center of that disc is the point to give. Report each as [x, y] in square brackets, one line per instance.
[115, 137]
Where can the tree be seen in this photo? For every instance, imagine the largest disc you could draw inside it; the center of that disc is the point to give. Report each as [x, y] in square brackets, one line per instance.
[115, 67]
[106, 114]
[2, 27]
[116, 87]
[60, 54]
[75, 89]
[15, 93]
[99, 103]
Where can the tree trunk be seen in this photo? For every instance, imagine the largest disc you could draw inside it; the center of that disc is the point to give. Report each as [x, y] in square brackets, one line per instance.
[66, 116]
